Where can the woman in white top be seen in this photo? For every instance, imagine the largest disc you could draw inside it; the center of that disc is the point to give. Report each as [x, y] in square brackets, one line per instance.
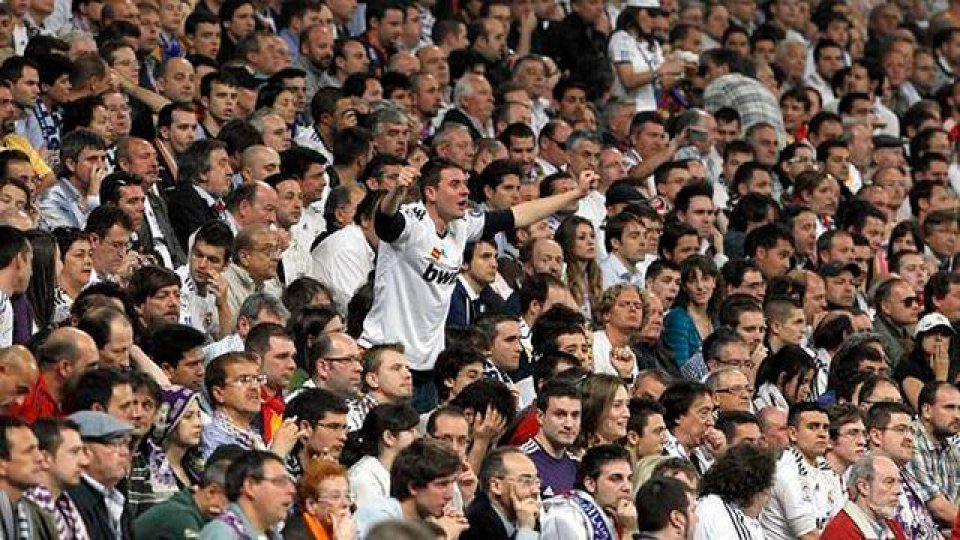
[386, 431]
[637, 57]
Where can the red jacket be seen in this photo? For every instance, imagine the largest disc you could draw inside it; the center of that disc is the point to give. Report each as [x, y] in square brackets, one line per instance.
[842, 527]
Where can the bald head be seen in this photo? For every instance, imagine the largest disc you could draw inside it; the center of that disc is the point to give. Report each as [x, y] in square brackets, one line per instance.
[67, 353]
[18, 374]
[177, 80]
[259, 162]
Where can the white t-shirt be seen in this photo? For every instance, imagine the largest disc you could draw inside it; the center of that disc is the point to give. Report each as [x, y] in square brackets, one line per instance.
[642, 57]
[415, 278]
[803, 499]
[718, 519]
[342, 262]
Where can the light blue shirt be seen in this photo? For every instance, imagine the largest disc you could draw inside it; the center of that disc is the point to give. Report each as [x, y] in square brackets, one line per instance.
[62, 205]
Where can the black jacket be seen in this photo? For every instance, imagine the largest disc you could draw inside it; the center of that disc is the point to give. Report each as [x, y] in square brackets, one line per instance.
[580, 49]
[485, 523]
[458, 117]
[93, 509]
[162, 212]
[188, 211]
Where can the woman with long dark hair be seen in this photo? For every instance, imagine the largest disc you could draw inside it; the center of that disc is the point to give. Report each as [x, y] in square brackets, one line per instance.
[637, 58]
[785, 378]
[691, 318]
[42, 291]
[387, 430]
[579, 243]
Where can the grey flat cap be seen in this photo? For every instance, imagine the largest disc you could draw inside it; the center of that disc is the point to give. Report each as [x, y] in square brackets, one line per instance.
[96, 425]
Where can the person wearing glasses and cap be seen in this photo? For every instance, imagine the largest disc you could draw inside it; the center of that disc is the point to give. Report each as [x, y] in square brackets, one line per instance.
[100, 503]
[930, 359]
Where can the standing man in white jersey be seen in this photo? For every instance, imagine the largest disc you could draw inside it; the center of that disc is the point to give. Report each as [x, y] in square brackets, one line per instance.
[420, 256]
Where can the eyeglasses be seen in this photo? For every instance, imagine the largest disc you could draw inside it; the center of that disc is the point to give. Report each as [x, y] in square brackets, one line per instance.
[525, 480]
[332, 427]
[353, 358]
[248, 380]
[853, 433]
[901, 430]
[736, 389]
[335, 497]
[741, 364]
[911, 301]
[277, 481]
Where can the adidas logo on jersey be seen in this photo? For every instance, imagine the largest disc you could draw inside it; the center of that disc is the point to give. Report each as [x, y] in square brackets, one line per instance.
[438, 276]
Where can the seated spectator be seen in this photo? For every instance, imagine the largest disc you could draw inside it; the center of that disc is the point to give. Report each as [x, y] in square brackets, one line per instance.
[325, 503]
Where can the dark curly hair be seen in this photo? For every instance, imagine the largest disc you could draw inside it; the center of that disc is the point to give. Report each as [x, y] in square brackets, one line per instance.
[740, 474]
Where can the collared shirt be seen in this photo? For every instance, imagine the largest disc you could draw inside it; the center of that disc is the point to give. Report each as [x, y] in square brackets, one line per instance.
[221, 431]
[748, 96]
[935, 464]
[114, 501]
[62, 205]
[243, 285]
[357, 411]
[614, 271]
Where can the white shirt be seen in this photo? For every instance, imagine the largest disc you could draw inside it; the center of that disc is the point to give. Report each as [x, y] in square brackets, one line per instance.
[613, 271]
[296, 261]
[415, 278]
[342, 262]
[803, 499]
[601, 355]
[718, 519]
[368, 480]
[6, 321]
[642, 57]
[197, 310]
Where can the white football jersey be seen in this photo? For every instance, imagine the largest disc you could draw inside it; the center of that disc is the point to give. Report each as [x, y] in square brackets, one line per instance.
[415, 278]
[6, 321]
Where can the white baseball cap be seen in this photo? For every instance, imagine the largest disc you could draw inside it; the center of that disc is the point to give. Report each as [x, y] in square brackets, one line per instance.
[931, 321]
